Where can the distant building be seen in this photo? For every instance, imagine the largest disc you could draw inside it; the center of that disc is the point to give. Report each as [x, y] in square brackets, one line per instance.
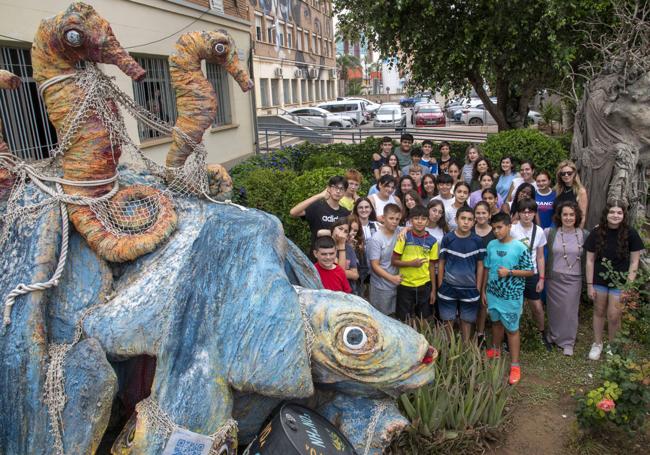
[147, 30]
[294, 62]
[360, 50]
[393, 80]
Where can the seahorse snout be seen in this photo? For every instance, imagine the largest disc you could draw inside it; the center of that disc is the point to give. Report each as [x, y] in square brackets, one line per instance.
[9, 80]
[115, 54]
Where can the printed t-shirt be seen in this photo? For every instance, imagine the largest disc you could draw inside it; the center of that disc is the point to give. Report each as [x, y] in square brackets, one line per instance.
[431, 165]
[518, 232]
[545, 205]
[461, 255]
[376, 164]
[611, 252]
[506, 294]
[380, 248]
[334, 279]
[320, 215]
[416, 247]
[443, 165]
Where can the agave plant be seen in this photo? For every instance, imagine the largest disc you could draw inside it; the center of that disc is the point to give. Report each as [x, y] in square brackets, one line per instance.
[469, 394]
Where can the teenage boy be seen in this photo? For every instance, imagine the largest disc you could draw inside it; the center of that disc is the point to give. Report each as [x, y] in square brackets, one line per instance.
[384, 277]
[416, 157]
[323, 209]
[354, 179]
[331, 274]
[385, 169]
[533, 237]
[460, 273]
[415, 172]
[428, 161]
[403, 151]
[445, 157]
[416, 254]
[445, 182]
[379, 159]
[507, 265]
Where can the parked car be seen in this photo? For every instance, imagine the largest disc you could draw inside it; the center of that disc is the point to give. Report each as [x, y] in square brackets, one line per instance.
[371, 107]
[454, 105]
[430, 115]
[534, 117]
[390, 115]
[477, 116]
[409, 101]
[418, 105]
[317, 117]
[356, 110]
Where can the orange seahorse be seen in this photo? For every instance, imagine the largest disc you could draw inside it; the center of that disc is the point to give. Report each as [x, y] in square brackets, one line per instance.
[196, 100]
[74, 35]
[9, 81]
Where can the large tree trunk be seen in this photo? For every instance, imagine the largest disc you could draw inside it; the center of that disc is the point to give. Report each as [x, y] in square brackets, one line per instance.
[511, 110]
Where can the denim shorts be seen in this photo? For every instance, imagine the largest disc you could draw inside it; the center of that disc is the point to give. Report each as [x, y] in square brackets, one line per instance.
[454, 301]
[605, 290]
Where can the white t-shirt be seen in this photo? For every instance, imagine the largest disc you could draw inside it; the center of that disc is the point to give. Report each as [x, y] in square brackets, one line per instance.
[436, 232]
[516, 183]
[379, 204]
[446, 202]
[518, 232]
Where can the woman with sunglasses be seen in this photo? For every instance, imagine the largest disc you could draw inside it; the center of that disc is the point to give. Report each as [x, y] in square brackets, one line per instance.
[569, 188]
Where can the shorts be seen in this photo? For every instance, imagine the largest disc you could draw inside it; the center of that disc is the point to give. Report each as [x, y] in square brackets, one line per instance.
[383, 299]
[413, 302]
[454, 301]
[605, 290]
[530, 291]
[510, 321]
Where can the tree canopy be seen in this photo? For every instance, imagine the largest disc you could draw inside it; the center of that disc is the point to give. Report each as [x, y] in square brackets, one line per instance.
[515, 47]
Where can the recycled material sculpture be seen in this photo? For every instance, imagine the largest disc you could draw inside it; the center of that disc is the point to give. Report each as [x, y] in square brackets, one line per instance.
[222, 308]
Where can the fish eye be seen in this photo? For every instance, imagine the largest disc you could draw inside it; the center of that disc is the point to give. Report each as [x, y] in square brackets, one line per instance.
[74, 37]
[131, 436]
[220, 48]
[354, 337]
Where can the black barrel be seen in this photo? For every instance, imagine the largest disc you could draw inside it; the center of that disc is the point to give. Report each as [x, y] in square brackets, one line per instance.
[297, 430]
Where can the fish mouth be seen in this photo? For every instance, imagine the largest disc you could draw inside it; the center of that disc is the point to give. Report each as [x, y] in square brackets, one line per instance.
[419, 375]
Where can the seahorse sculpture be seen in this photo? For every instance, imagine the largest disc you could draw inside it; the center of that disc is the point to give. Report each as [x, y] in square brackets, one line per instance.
[196, 100]
[80, 34]
[9, 81]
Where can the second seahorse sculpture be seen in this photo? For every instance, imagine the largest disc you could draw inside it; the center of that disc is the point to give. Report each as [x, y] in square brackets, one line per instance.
[7, 81]
[196, 100]
[80, 34]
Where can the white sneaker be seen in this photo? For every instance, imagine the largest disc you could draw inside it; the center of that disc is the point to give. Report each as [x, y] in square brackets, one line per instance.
[568, 351]
[596, 349]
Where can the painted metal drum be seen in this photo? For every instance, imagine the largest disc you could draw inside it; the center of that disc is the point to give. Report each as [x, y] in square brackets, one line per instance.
[297, 430]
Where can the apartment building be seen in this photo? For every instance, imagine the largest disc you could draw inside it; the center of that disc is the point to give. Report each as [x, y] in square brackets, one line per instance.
[294, 61]
[148, 29]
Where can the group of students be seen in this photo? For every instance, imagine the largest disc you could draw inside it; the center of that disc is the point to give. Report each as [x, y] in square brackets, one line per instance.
[435, 245]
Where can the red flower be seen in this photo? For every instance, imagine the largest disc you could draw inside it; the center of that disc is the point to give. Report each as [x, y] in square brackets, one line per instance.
[606, 405]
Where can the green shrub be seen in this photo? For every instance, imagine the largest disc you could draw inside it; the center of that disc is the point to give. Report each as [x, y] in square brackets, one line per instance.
[458, 150]
[265, 189]
[465, 404]
[301, 188]
[327, 159]
[565, 139]
[521, 144]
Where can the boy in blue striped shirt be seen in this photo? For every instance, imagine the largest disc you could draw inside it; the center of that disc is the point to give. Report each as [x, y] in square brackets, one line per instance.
[460, 273]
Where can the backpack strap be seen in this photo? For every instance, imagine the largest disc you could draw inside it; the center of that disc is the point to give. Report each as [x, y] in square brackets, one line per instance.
[532, 238]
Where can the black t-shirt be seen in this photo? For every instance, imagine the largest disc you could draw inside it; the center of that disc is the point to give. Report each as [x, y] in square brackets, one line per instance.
[610, 252]
[487, 239]
[320, 215]
[376, 164]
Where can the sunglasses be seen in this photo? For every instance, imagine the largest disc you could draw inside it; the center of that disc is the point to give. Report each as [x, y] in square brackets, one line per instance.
[566, 174]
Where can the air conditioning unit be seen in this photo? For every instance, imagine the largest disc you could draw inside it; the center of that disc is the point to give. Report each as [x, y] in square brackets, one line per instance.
[297, 74]
[333, 73]
[278, 72]
[313, 73]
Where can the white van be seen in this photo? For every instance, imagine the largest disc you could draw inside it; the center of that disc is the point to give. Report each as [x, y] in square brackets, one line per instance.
[354, 109]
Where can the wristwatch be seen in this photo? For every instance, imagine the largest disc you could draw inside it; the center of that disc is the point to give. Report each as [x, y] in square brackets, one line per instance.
[510, 272]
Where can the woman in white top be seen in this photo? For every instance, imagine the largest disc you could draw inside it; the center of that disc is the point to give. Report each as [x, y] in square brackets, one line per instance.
[471, 155]
[386, 185]
[526, 175]
[437, 225]
[461, 194]
[367, 217]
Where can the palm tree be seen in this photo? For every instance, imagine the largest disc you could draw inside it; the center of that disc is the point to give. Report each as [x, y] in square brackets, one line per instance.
[345, 64]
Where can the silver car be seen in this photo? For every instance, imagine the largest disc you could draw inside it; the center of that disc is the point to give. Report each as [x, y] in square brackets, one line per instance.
[317, 117]
[477, 116]
[393, 116]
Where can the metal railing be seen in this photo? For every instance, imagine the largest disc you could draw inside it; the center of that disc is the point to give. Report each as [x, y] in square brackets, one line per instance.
[273, 137]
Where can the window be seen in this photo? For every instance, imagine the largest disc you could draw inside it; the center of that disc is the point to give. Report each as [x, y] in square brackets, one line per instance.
[275, 92]
[306, 41]
[218, 77]
[155, 93]
[294, 91]
[298, 39]
[280, 32]
[289, 36]
[258, 28]
[286, 86]
[264, 92]
[314, 46]
[270, 31]
[25, 125]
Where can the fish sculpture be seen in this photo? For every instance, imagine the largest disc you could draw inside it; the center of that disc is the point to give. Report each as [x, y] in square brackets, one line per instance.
[361, 360]
[196, 100]
[75, 35]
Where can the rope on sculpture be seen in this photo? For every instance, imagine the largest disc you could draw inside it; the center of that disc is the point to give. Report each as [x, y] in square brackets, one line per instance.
[380, 408]
[163, 425]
